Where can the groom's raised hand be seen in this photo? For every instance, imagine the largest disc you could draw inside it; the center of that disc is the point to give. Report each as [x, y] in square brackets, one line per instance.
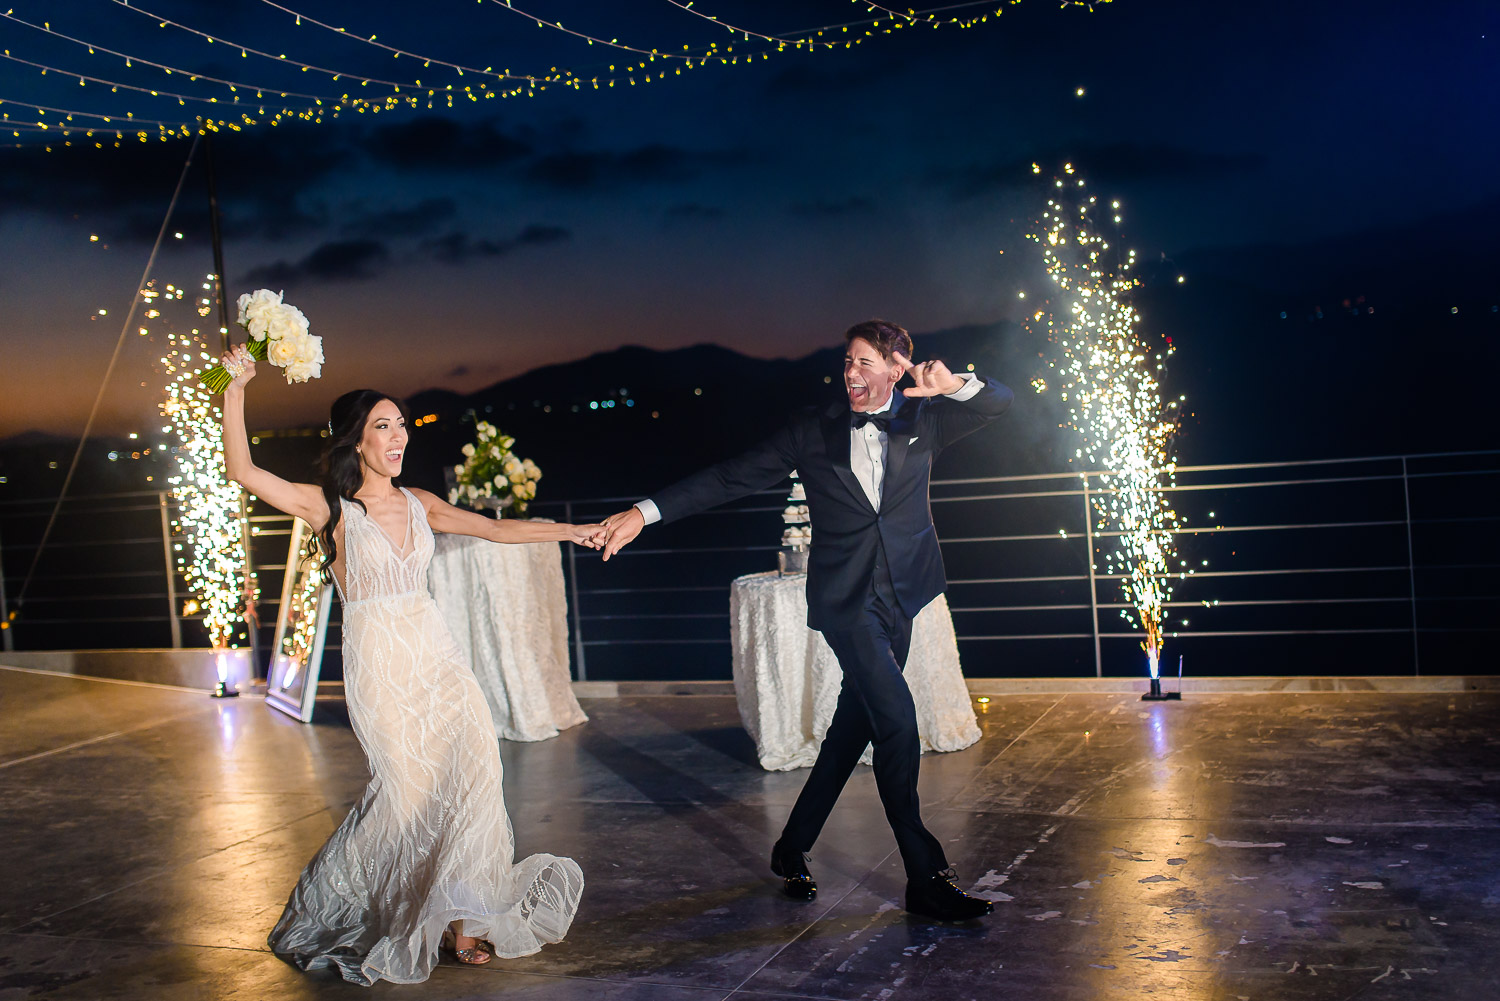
[932, 378]
[620, 528]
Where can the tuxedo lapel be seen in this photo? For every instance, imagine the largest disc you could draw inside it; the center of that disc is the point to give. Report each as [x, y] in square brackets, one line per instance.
[836, 439]
[898, 438]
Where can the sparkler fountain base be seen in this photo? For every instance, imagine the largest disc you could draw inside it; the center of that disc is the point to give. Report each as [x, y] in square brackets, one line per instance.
[1157, 695]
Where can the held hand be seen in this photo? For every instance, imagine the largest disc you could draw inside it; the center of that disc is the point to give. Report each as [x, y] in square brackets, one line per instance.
[620, 528]
[591, 536]
[240, 364]
[932, 378]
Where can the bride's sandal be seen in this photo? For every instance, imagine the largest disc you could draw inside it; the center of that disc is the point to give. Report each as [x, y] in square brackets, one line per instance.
[473, 955]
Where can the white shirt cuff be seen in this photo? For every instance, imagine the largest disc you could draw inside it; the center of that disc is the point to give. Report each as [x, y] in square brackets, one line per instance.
[970, 389]
[648, 510]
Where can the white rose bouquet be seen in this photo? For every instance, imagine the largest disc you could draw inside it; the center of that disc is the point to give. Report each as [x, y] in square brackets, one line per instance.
[278, 334]
[492, 476]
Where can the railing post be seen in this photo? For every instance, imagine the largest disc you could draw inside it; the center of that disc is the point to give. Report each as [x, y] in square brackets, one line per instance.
[249, 591]
[7, 627]
[583, 671]
[1411, 572]
[166, 548]
[1088, 532]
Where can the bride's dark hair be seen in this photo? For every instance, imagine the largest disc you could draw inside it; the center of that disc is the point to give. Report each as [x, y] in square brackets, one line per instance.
[341, 473]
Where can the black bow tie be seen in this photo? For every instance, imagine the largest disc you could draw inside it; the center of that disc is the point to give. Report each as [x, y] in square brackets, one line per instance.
[882, 422]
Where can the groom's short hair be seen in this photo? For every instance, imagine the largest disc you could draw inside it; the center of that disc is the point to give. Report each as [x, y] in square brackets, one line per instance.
[883, 337]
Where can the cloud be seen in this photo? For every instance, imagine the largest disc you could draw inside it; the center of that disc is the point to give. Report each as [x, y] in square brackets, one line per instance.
[338, 261]
[414, 220]
[1114, 163]
[124, 192]
[458, 247]
[583, 171]
[442, 144]
[824, 209]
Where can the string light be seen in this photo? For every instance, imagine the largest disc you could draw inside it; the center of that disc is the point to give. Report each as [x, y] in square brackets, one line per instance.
[297, 644]
[247, 50]
[1110, 380]
[213, 560]
[130, 61]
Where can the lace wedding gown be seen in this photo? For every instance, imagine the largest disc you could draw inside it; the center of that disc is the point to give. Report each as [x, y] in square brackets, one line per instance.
[429, 842]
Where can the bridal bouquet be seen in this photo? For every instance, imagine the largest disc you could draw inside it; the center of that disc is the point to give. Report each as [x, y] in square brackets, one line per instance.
[492, 476]
[278, 334]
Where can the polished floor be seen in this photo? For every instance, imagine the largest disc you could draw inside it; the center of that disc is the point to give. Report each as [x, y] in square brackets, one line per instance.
[1278, 846]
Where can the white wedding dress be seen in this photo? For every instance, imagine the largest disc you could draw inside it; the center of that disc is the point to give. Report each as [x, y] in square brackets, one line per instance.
[429, 842]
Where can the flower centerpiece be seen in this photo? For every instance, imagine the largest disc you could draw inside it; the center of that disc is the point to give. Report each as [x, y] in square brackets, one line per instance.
[278, 334]
[492, 476]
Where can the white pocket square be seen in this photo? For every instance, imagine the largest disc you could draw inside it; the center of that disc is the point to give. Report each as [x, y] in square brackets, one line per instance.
[914, 440]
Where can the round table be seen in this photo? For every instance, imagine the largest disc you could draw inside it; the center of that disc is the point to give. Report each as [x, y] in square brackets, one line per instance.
[507, 607]
[787, 680]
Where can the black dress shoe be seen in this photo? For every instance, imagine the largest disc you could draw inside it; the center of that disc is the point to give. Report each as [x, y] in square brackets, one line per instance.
[938, 896]
[791, 866]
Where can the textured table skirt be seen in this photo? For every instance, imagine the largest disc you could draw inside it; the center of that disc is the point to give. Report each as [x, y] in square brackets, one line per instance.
[507, 607]
[786, 679]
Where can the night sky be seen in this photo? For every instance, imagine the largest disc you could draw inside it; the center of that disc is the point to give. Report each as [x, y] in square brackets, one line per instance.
[761, 206]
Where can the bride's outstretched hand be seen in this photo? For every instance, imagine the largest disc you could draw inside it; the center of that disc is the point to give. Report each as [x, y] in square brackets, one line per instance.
[591, 536]
[240, 364]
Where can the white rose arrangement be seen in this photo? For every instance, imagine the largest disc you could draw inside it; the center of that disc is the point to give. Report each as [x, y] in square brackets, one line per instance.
[278, 334]
[493, 476]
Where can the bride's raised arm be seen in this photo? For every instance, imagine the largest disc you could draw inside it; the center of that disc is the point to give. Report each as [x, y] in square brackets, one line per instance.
[444, 517]
[304, 500]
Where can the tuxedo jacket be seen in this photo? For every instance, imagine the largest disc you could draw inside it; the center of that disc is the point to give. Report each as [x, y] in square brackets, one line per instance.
[848, 533]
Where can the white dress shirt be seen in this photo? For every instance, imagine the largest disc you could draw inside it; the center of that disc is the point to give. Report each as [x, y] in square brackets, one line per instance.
[867, 450]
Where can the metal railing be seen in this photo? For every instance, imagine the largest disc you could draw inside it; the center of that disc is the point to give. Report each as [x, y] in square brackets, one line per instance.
[1380, 560]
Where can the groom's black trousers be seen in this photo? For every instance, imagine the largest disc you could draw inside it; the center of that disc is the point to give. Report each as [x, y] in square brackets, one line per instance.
[875, 706]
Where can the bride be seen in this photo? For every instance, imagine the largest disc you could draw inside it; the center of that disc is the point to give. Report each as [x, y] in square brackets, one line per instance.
[426, 857]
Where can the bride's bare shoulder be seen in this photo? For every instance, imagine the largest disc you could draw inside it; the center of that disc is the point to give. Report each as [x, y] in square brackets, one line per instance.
[425, 497]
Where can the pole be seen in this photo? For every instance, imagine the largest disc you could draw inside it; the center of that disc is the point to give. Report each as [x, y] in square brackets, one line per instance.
[252, 627]
[1411, 572]
[166, 548]
[1088, 531]
[583, 670]
[7, 640]
[217, 238]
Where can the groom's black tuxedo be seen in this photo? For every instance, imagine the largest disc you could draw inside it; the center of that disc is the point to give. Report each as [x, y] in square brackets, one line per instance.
[850, 536]
[870, 572]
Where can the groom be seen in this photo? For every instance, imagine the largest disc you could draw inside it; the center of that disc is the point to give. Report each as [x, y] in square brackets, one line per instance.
[865, 466]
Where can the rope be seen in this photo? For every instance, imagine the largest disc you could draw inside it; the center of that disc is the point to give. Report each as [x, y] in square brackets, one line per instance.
[99, 397]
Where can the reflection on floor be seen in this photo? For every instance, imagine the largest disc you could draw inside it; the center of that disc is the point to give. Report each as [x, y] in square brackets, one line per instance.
[1235, 846]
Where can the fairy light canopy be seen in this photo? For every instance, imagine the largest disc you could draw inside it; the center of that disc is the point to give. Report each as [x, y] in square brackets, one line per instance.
[123, 70]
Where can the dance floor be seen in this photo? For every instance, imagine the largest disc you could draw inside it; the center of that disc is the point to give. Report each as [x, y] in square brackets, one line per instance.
[1272, 846]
